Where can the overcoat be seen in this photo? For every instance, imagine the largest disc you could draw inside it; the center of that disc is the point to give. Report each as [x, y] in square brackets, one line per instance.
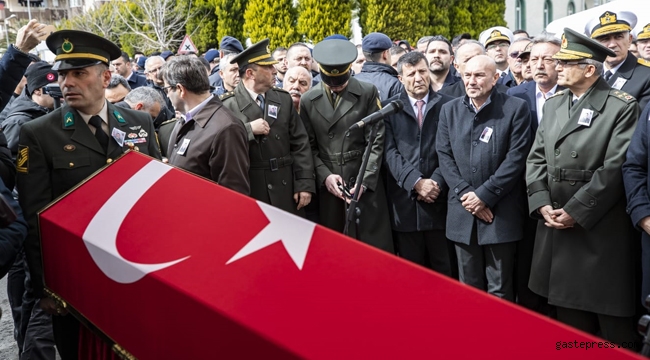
[634, 78]
[577, 167]
[327, 126]
[281, 162]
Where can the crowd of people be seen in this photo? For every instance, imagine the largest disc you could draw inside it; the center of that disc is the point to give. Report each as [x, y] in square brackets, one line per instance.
[518, 165]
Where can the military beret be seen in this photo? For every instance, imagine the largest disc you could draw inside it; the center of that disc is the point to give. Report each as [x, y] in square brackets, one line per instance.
[229, 43]
[211, 54]
[38, 75]
[576, 46]
[335, 37]
[75, 49]
[258, 53]
[611, 22]
[642, 33]
[141, 61]
[497, 33]
[166, 54]
[376, 42]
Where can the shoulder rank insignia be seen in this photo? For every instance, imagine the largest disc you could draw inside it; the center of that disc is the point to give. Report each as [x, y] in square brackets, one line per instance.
[557, 93]
[22, 160]
[119, 117]
[643, 62]
[168, 121]
[622, 95]
[68, 119]
[226, 95]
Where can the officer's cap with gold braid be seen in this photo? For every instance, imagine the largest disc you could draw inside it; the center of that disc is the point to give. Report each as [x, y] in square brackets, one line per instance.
[335, 58]
[497, 33]
[576, 46]
[258, 54]
[642, 33]
[611, 22]
[76, 49]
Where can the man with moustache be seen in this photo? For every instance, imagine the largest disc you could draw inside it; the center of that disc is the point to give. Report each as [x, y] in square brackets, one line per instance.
[514, 76]
[622, 71]
[524, 57]
[281, 165]
[297, 82]
[299, 54]
[482, 142]
[440, 56]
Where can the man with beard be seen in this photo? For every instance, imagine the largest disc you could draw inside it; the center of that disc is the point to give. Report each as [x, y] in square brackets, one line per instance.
[279, 54]
[299, 54]
[124, 68]
[377, 70]
[281, 165]
[297, 82]
[622, 71]
[440, 56]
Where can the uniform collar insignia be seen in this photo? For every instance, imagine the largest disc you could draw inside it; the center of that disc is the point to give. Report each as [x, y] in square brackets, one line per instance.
[119, 117]
[68, 119]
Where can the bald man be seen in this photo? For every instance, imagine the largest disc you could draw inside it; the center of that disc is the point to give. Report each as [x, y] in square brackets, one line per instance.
[483, 161]
[297, 80]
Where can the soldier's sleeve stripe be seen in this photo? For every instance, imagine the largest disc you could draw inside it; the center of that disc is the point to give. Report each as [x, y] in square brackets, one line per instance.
[22, 160]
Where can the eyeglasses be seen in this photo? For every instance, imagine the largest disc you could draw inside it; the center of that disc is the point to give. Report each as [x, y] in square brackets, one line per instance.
[501, 45]
[565, 63]
[167, 89]
[514, 54]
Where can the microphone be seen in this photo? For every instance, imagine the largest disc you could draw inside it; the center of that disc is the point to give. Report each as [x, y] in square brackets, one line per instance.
[394, 107]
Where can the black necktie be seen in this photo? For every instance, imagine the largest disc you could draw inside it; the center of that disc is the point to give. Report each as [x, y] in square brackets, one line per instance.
[260, 98]
[608, 75]
[100, 135]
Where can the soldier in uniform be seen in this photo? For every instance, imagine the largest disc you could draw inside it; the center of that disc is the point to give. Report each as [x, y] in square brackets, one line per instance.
[642, 36]
[281, 169]
[621, 71]
[59, 150]
[584, 253]
[328, 110]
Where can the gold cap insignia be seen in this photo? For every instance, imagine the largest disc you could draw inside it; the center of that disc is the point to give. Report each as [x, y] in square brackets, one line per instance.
[268, 50]
[495, 33]
[69, 147]
[646, 29]
[67, 46]
[565, 43]
[607, 18]
[335, 71]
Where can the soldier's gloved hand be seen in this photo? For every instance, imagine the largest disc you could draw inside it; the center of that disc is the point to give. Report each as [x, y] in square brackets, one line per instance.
[260, 127]
[28, 36]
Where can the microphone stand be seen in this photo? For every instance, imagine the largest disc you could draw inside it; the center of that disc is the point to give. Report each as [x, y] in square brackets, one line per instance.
[353, 212]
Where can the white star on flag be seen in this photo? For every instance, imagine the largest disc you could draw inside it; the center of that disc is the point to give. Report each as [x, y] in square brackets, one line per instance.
[294, 232]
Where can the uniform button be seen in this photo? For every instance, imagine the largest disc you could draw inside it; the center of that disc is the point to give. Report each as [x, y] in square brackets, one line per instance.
[473, 169]
[175, 145]
[347, 135]
[556, 205]
[109, 160]
[277, 136]
[557, 152]
[456, 190]
[330, 135]
[284, 182]
[572, 183]
[264, 139]
[498, 191]
[421, 160]
[269, 186]
[71, 164]
[474, 143]
[591, 202]
[574, 154]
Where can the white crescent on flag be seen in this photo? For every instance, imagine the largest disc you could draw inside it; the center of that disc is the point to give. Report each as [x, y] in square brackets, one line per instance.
[100, 236]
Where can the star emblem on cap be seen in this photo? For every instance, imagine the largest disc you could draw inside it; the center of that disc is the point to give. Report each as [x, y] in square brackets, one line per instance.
[67, 46]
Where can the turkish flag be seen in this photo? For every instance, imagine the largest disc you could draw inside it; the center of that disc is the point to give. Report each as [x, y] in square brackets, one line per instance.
[171, 266]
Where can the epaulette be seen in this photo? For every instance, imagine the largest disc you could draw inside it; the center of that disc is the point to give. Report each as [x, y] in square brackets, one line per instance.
[557, 94]
[621, 95]
[643, 62]
[280, 89]
[227, 95]
[168, 121]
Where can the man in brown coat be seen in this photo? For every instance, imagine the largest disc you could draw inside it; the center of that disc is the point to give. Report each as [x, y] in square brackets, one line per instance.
[209, 141]
[282, 168]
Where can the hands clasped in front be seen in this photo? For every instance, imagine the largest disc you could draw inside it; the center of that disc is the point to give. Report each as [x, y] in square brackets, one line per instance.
[556, 218]
[427, 189]
[477, 207]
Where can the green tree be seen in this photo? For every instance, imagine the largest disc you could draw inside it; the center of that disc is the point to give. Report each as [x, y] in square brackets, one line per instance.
[319, 19]
[273, 19]
[439, 18]
[102, 21]
[460, 19]
[399, 19]
[486, 14]
[231, 18]
[202, 26]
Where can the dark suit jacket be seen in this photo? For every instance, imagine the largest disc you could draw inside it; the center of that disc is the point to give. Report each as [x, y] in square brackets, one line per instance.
[527, 91]
[287, 142]
[217, 147]
[637, 80]
[493, 168]
[409, 156]
[55, 154]
[135, 81]
[507, 80]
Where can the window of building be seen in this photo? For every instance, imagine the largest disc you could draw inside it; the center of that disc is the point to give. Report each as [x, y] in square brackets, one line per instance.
[548, 12]
[520, 14]
[571, 8]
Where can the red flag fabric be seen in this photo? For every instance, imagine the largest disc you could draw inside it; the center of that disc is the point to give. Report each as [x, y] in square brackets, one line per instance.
[171, 266]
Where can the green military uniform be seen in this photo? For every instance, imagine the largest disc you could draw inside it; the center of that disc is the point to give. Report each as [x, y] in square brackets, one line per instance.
[327, 121]
[59, 150]
[281, 162]
[575, 165]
